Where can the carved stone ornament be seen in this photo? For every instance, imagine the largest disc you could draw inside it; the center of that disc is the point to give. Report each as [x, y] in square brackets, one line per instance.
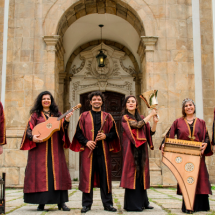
[101, 85]
[112, 68]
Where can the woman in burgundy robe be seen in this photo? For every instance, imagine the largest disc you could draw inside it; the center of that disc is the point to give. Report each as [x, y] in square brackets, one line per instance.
[2, 128]
[137, 135]
[192, 128]
[47, 178]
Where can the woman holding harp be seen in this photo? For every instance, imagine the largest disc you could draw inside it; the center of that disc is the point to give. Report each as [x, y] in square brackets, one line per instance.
[189, 127]
[47, 178]
[137, 135]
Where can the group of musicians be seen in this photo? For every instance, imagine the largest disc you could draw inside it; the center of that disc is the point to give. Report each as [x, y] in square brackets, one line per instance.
[47, 179]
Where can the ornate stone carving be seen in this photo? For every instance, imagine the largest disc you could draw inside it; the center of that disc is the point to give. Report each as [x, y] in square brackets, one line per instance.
[111, 69]
[127, 85]
[130, 70]
[75, 70]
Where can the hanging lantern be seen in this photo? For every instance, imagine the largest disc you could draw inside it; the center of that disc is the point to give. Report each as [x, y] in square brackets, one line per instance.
[101, 56]
[101, 59]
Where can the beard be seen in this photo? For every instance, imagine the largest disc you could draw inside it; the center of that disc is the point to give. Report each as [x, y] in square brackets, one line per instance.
[96, 107]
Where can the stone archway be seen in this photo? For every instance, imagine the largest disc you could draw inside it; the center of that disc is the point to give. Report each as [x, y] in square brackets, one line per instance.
[64, 12]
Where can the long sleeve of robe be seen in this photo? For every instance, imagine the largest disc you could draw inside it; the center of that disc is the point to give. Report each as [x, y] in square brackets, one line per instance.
[181, 129]
[138, 134]
[2, 126]
[36, 174]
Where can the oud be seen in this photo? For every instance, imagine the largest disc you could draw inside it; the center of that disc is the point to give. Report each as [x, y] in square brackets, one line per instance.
[53, 124]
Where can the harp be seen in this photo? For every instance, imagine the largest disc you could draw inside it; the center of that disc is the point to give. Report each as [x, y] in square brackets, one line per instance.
[183, 158]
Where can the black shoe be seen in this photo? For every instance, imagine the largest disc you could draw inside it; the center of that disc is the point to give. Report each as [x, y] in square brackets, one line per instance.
[149, 207]
[63, 206]
[85, 209]
[40, 207]
[110, 208]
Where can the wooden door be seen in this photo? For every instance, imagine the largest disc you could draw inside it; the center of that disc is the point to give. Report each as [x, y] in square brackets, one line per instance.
[112, 105]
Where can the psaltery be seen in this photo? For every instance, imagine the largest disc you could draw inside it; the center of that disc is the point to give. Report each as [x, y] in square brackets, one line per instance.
[100, 130]
[53, 124]
[183, 158]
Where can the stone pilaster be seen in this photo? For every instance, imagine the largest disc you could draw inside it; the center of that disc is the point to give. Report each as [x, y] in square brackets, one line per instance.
[51, 43]
[62, 77]
[149, 43]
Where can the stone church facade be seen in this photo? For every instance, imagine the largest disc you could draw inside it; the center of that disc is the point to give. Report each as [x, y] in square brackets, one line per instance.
[150, 44]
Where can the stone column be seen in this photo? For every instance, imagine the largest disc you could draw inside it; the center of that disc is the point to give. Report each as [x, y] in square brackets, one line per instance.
[148, 84]
[149, 44]
[51, 79]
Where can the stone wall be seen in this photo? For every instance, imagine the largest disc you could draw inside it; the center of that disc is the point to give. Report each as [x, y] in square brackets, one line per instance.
[35, 63]
[206, 20]
[1, 35]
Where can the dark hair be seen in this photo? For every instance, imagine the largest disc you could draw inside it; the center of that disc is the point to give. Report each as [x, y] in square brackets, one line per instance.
[125, 111]
[37, 108]
[183, 108]
[140, 151]
[96, 93]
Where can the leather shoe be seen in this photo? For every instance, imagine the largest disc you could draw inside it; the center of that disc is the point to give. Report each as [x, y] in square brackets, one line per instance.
[40, 207]
[149, 207]
[85, 209]
[110, 208]
[63, 206]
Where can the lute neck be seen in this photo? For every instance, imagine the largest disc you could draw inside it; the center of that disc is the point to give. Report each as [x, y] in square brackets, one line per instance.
[63, 115]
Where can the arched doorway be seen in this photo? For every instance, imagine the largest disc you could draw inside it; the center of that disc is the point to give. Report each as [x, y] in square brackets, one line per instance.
[113, 105]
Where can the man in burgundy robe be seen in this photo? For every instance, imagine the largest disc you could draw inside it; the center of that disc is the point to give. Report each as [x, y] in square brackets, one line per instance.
[2, 128]
[37, 171]
[95, 170]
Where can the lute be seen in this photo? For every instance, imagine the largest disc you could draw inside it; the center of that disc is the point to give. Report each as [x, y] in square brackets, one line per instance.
[53, 124]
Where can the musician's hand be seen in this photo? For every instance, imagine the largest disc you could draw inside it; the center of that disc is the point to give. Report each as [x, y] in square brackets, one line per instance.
[204, 145]
[155, 119]
[1, 150]
[162, 148]
[100, 136]
[67, 118]
[36, 139]
[91, 144]
[154, 112]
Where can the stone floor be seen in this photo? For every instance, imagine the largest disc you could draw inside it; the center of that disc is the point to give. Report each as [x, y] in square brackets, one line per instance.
[164, 200]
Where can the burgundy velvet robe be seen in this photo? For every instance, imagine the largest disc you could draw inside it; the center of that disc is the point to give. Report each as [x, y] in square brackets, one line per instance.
[87, 126]
[36, 174]
[2, 126]
[181, 128]
[137, 137]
